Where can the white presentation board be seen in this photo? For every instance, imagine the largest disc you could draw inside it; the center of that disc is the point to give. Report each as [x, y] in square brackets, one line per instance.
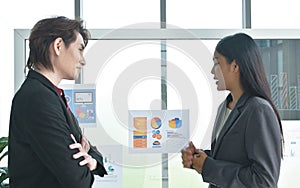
[158, 131]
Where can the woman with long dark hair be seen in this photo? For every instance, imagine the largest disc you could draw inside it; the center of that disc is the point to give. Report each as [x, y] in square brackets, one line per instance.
[247, 138]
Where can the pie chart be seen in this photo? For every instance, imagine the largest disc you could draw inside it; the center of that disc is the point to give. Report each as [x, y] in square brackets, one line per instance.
[155, 123]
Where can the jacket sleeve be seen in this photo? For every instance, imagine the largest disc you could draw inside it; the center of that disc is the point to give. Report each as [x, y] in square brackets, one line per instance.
[49, 136]
[263, 147]
[207, 152]
[100, 170]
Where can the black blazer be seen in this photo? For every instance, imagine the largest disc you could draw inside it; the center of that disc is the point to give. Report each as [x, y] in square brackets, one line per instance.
[247, 153]
[39, 139]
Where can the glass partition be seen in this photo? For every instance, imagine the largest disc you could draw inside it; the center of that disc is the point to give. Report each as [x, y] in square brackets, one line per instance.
[281, 60]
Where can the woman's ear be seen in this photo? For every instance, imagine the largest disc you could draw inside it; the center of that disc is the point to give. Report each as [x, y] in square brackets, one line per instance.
[57, 45]
[235, 66]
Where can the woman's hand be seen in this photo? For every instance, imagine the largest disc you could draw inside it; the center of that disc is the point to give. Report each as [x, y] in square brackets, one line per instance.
[187, 155]
[198, 160]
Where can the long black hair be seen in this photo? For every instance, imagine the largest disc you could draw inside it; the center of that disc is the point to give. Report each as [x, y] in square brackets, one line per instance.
[243, 49]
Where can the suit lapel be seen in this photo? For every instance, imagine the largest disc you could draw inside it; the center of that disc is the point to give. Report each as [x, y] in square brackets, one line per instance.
[71, 120]
[219, 117]
[75, 128]
[235, 113]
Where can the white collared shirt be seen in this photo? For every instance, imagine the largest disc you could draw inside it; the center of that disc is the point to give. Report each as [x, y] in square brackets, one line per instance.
[225, 117]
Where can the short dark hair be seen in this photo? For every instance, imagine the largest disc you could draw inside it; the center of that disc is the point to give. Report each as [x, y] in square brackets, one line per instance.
[243, 49]
[45, 32]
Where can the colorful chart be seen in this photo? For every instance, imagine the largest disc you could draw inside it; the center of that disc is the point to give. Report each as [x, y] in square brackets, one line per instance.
[158, 131]
[140, 134]
[155, 123]
[175, 123]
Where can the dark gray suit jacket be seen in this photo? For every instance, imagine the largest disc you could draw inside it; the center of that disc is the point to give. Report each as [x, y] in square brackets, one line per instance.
[247, 153]
[39, 139]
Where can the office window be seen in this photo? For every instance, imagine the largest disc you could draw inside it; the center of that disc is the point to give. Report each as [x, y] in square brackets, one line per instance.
[33, 10]
[127, 77]
[275, 14]
[281, 59]
[116, 13]
[205, 14]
